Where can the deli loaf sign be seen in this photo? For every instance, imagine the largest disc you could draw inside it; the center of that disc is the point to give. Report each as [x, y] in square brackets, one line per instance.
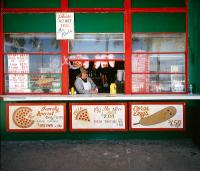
[36, 117]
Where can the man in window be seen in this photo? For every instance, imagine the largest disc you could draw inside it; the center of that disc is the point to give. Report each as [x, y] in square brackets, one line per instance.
[84, 84]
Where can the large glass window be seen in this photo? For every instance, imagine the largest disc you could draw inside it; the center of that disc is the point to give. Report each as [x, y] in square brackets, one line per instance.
[158, 62]
[32, 63]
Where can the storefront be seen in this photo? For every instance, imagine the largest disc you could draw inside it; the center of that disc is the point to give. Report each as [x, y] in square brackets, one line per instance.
[141, 55]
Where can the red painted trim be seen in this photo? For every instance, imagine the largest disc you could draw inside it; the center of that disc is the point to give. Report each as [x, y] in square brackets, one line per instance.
[1, 52]
[187, 48]
[35, 130]
[92, 10]
[64, 5]
[74, 53]
[98, 129]
[157, 129]
[65, 69]
[128, 45]
[164, 10]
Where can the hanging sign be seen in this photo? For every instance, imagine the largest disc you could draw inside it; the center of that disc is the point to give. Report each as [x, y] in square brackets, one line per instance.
[64, 25]
[18, 67]
[169, 116]
[98, 117]
[36, 117]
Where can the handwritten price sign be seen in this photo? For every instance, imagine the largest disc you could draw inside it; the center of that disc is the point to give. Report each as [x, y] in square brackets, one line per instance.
[98, 117]
[36, 117]
[64, 26]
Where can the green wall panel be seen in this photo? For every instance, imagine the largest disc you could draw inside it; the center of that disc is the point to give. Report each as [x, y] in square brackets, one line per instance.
[29, 23]
[194, 41]
[158, 22]
[158, 3]
[31, 3]
[99, 22]
[192, 108]
[96, 3]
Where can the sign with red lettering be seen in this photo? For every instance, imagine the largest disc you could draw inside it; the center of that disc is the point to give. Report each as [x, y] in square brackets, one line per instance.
[36, 117]
[64, 25]
[158, 116]
[140, 66]
[18, 69]
[98, 117]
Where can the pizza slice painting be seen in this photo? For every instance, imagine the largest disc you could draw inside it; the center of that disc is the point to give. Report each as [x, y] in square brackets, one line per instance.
[22, 117]
[82, 115]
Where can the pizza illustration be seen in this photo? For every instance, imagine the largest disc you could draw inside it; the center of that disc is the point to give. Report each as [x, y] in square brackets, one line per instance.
[82, 115]
[22, 117]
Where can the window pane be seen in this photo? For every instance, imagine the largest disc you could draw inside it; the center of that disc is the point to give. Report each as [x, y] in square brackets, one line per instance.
[31, 43]
[38, 64]
[100, 42]
[172, 63]
[33, 83]
[157, 83]
[159, 42]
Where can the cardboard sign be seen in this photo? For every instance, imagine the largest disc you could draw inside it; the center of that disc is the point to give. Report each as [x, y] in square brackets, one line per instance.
[169, 116]
[64, 25]
[36, 117]
[98, 116]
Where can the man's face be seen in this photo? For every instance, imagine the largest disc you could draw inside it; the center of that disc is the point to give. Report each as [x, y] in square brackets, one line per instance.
[84, 75]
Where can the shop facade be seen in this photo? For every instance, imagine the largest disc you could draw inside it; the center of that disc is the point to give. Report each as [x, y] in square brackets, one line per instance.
[145, 48]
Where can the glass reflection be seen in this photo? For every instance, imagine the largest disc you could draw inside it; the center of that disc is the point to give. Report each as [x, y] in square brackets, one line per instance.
[35, 42]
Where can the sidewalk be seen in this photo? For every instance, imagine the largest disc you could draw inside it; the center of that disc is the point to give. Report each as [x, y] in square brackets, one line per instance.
[106, 155]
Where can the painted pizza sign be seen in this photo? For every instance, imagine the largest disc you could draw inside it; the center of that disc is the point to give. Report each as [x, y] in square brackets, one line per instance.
[98, 117]
[157, 116]
[36, 117]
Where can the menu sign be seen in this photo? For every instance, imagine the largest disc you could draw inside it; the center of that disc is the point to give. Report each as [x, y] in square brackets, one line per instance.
[168, 116]
[64, 25]
[36, 117]
[140, 66]
[98, 116]
[18, 63]
[18, 67]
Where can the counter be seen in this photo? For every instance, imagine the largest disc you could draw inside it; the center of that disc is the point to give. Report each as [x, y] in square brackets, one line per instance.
[99, 97]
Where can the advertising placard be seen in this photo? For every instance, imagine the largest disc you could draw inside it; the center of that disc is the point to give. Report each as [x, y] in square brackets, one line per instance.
[98, 117]
[18, 69]
[64, 25]
[36, 117]
[157, 116]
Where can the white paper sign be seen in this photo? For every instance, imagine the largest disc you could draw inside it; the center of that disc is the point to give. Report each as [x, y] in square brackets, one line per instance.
[18, 83]
[37, 117]
[18, 63]
[169, 116]
[98, 116]
[64, 25]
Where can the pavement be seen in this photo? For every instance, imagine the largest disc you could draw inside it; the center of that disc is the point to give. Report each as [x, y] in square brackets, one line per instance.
[100, 155]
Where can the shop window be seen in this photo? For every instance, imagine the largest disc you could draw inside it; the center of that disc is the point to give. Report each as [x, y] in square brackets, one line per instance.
[158, 63]
[32, 63]
[102, 54]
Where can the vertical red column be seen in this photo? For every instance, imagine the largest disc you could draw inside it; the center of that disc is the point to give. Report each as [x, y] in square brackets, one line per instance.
[186, 48]
[128, 45]
[64, 51]
[1, 51]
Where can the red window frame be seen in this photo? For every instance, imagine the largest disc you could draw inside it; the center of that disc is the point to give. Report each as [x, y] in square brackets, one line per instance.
[127, 10]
